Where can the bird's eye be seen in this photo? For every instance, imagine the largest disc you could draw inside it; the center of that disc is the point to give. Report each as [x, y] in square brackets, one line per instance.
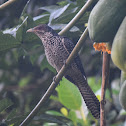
[40, 32]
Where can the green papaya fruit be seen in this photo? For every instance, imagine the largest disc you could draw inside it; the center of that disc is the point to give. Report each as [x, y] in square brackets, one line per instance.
[105, 19]
[118, 51]
[122, 95]
[123, 77]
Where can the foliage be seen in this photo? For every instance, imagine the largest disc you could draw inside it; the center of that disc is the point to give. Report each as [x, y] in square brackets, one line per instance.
[25, 73]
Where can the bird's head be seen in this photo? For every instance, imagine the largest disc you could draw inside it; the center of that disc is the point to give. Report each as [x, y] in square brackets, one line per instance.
[41, 30]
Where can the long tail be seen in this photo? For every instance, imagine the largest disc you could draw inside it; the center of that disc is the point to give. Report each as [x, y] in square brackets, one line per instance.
[89, 97]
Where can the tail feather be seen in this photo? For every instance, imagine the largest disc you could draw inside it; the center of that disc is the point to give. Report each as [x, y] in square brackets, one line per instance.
[76, 77]
[89, 97]
[90, 100]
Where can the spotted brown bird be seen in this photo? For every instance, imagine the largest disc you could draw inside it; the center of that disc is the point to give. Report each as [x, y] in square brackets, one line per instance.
[57, 50]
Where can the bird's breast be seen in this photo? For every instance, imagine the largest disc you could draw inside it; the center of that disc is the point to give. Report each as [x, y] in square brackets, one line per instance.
[56, 56]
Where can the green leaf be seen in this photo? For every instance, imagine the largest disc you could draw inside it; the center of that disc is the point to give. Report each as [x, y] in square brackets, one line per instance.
[63, 3]
[42, 19]
[68, 14]
[72, 116]
[52, 97]
[11, 114]
[94, 83]
[20, 52]
[30, 49]
[81, 2]
[69, 95]
[33, 58]
[15, 121]
[19, 32]
[115, 91]
[7, 41]
[36, 52]
[50, 118]
[5, 103]
[25, 8]
[24, 81]
[52, 112]
[55, 11]
[23, 27]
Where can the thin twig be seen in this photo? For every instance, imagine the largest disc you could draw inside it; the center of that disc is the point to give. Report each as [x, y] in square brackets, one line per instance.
[6, 4]
[57, 79]
[105, 80]
[77, 17]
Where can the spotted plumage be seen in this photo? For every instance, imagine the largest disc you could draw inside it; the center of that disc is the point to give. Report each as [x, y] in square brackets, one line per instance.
[57, 50]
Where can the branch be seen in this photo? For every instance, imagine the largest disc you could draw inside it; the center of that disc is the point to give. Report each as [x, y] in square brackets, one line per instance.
[77, 17]
[105, 80]
[57, 79]
[6, 4]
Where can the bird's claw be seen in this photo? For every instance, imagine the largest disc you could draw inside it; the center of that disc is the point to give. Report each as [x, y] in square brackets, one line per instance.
[54, 80]
[103, 102]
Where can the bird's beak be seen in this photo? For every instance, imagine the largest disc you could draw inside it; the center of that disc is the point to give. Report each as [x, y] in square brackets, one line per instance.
[30, 30]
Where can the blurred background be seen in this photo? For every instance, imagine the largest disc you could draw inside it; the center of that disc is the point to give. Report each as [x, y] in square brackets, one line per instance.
[25, 74]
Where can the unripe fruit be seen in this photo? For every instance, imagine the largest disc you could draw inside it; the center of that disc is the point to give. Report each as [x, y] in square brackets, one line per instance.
[122, 95]
[118, 52]
[105, 19]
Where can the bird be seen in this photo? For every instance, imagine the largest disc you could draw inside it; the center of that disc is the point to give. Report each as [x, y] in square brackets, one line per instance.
[57, 49]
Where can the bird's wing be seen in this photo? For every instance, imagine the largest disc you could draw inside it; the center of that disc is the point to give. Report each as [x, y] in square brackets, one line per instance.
[68, 45]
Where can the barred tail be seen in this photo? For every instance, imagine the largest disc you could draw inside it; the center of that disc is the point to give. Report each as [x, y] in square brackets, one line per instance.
[89, 97]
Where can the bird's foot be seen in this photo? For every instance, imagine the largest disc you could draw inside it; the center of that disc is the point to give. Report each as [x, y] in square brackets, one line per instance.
[54, 80]
[103, 102]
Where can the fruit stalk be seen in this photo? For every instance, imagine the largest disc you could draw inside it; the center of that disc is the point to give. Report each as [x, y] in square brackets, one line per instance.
[105, 80]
